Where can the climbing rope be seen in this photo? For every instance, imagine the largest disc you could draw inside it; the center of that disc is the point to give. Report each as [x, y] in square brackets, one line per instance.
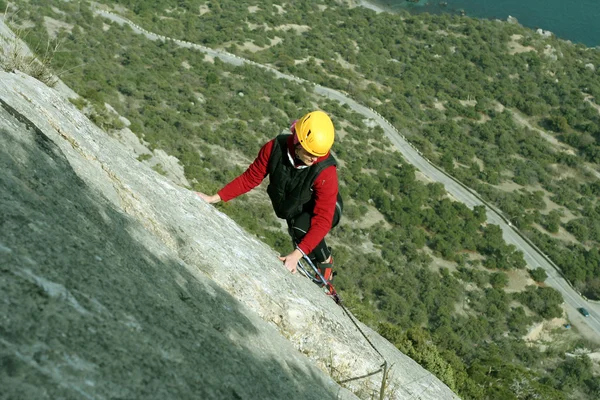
[319, 278]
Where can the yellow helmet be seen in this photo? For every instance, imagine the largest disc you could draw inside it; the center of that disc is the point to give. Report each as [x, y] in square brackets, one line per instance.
[315, 133]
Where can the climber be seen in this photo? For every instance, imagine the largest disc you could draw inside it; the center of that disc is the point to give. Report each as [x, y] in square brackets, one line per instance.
[303, 187]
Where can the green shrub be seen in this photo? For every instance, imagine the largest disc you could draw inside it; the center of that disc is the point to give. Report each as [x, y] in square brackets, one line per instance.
[538, 274]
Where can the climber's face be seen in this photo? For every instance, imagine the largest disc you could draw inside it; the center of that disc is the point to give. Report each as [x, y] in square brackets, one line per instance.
[305, 156]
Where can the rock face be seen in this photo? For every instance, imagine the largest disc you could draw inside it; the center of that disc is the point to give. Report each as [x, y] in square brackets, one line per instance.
[543, 33]
[116, 283]
[512, 20]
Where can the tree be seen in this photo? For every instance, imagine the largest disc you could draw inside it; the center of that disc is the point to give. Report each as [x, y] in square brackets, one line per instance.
[557, 123]
[498, 280]
[552, 221]
[538, 274]
[572, 372]
[543, 300]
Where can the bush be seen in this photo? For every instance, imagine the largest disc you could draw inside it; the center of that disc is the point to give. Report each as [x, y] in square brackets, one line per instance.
[498, 280]
[538, 274]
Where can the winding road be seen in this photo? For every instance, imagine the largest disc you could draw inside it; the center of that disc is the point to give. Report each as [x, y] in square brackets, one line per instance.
[533, 256]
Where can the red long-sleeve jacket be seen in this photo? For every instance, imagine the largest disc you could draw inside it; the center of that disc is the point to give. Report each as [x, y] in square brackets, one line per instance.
[325, 189]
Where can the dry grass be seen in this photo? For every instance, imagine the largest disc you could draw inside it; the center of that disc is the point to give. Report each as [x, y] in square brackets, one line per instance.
[16, 56]
[39, 68]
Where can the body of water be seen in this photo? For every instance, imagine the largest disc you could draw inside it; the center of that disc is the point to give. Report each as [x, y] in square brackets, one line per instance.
[577, 21]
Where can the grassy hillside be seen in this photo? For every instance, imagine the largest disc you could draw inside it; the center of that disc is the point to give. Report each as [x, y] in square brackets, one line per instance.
[508, 112]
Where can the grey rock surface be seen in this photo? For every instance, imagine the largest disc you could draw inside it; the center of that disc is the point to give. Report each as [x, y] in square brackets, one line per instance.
[96, 301]
[156, 159]
[117, 283]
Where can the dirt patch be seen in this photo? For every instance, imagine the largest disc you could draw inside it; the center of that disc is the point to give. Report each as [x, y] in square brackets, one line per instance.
[550, 51]
[340, 131]
[590, 99]
[367, 247]
[458, 35]
[509, 186]
[595, 357]
[253, 9]
[375, 101]
[561, 235]
[438, 263]
[119, 9]
[422, 177]
[345, 64]
[542, 332]
[318, 61]
[254, 27]
[518, 280]
[438, 105]
[54, 27]
[275, 41]
[534, 332]
[522, 120]
[498, 107]
[451, 197]
[550, 205]
[515, 47]
[298, 28]
[364, 83]
[250, 46]
[301, 61]
[479, 162]
[470, 103]
[483, 118]
[203, 9]
[372, 217]
[253, 48]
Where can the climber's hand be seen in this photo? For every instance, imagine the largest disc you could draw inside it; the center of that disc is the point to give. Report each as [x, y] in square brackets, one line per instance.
[209, 199]
[291, 260]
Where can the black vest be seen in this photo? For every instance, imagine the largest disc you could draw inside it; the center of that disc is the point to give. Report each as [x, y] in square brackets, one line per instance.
[290, 189]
